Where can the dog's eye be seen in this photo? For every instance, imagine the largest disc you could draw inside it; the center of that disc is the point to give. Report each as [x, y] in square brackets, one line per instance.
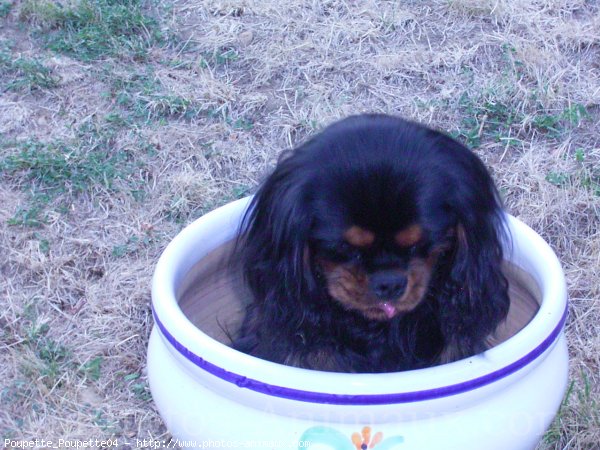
[356, 256]
[420, 249]
[342, 247]
[348, 252]
[341, 251]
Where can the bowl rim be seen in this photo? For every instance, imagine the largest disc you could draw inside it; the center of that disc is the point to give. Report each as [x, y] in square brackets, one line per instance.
[240, 370]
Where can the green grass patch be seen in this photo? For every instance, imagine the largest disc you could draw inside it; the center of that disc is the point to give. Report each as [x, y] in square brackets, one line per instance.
[495, 113]
[58, 167]
[43, 244]
[54, 173]
[584, 175]
[139, 388]
[143, 96]
[559, 179]
[219, 57]
[579, 397]
[488, 119]
[104, 423]
[92, 369]
[5, 8]
[484, 117]
[33, 213]
[52, 358]
[20, 73]
[94, 29]
[555, 124]
[17, 392]
[132, 246]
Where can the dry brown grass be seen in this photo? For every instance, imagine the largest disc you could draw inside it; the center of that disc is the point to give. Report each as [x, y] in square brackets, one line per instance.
[243, 80]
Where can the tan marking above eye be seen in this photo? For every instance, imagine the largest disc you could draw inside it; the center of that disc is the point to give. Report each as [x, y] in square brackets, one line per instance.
[359, 237]
[409, 236]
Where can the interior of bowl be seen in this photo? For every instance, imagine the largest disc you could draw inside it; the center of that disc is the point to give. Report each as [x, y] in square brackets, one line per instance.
[213, 297]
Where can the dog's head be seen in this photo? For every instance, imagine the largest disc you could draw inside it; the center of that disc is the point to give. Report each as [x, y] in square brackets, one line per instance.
[372, 212]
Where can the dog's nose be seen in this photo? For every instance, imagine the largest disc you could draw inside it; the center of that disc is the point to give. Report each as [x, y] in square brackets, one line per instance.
[388, 285]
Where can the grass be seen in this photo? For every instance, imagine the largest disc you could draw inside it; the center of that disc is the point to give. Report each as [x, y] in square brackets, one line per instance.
[500, 114]
[91, 30]
[23, 73]
[121, 121]
[581, 401]
[132, 246]
[582, 174]
[143, 96]
[218, 57]
[139, 388]
[92, 369]
[45, 362]
[65, 170]
[58, 167]
[489, 119]
[5, 7]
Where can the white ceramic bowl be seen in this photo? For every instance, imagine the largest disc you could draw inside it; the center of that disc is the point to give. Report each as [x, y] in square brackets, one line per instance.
[211, 396]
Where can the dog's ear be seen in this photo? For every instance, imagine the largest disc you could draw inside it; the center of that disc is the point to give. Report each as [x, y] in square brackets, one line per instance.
[475, 297]
[275, 231]
[474, 294]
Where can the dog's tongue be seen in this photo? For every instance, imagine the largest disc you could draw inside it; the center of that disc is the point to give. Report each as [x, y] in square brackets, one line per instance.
[388, 309]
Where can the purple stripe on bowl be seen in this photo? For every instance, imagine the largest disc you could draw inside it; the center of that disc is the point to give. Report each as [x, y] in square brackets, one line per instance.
[361, 399]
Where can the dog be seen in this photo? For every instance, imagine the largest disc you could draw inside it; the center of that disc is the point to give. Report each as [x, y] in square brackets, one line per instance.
[375, 246]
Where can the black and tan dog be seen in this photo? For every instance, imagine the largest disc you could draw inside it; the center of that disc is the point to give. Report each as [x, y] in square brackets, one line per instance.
[373, 247]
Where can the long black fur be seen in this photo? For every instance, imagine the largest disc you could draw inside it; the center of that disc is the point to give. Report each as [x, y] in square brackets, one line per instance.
[386, 173]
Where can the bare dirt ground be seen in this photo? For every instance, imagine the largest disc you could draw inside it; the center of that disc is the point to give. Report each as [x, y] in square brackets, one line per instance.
[109, 146]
